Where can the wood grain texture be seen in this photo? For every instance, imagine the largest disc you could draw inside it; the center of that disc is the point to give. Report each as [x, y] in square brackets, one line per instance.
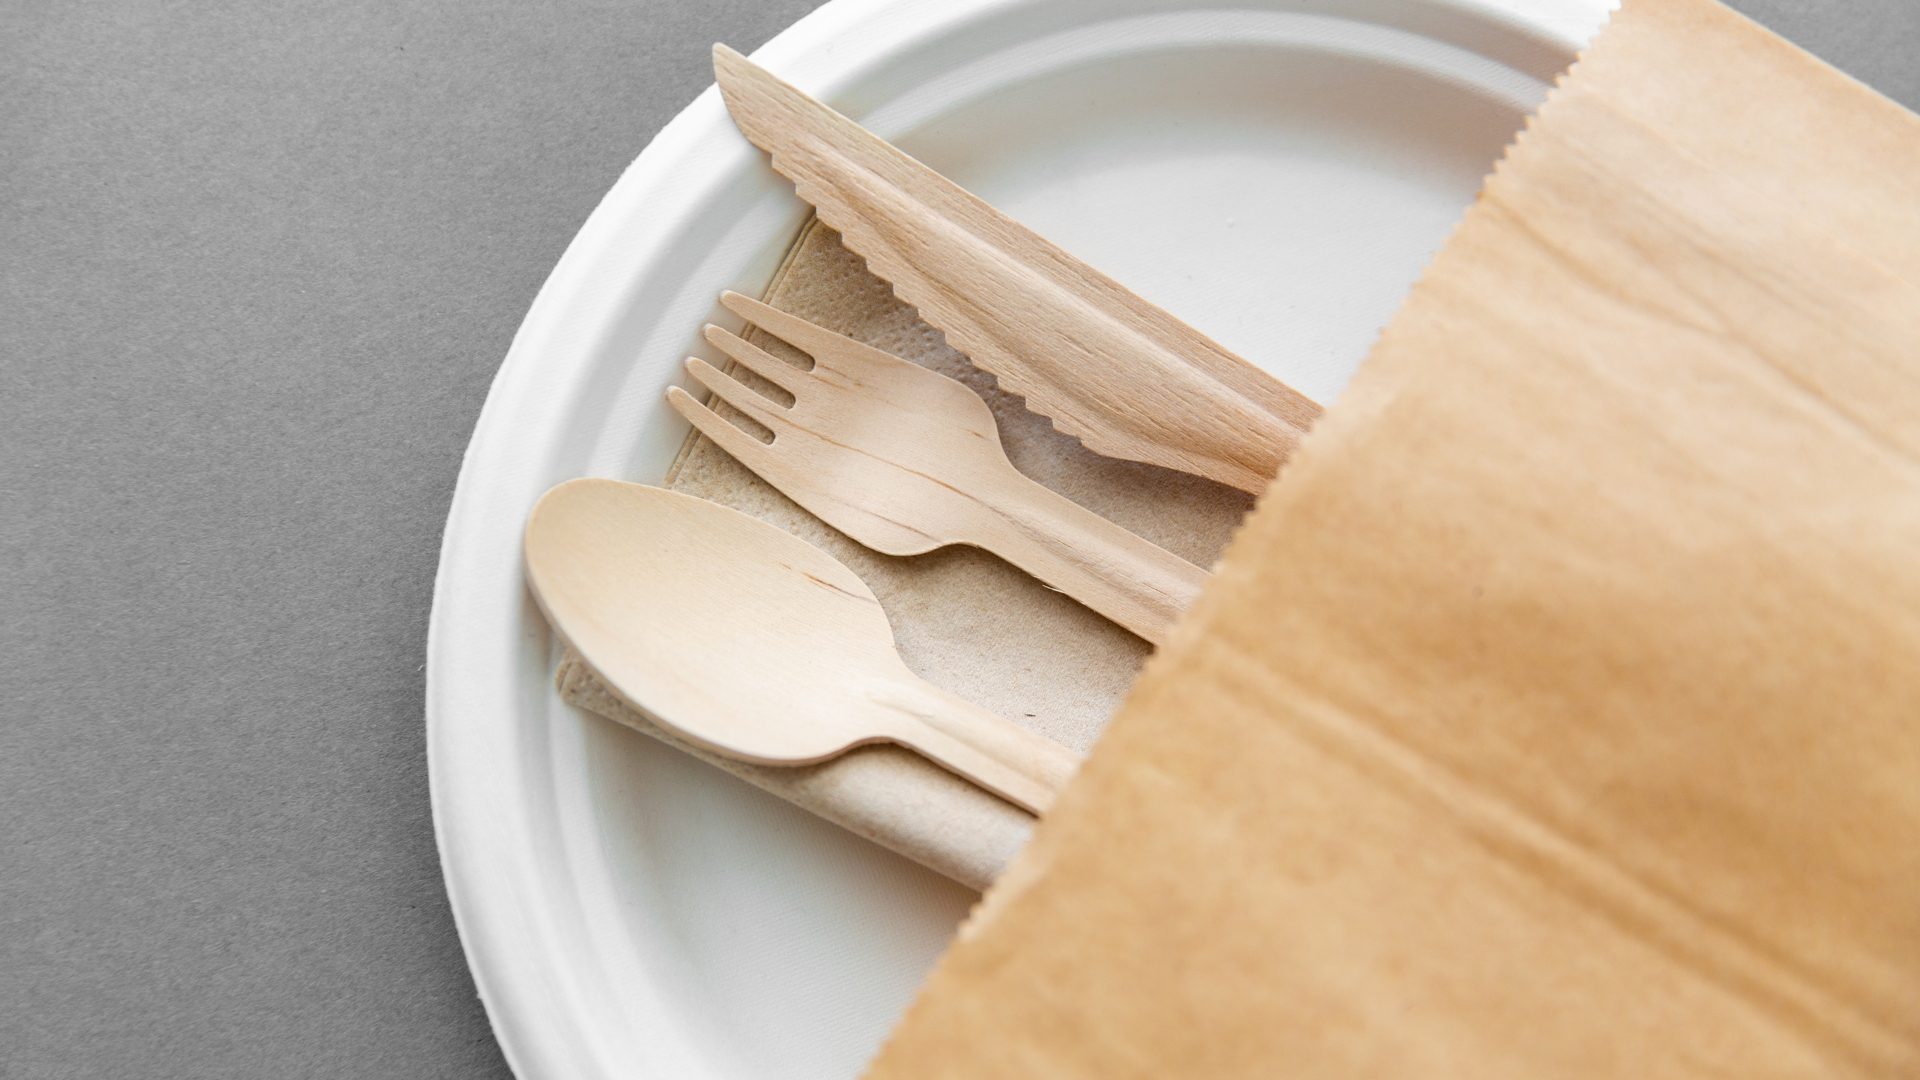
[752, 643]
[906, 460]
[1123, 376]
[1555, 716]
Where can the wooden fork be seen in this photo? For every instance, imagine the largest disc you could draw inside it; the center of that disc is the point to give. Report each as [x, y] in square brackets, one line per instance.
[905, 460]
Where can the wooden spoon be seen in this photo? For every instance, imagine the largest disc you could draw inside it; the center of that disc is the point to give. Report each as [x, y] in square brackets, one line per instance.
[752, 642]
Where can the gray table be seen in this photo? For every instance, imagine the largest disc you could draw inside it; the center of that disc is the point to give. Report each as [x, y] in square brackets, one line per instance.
[258, 264]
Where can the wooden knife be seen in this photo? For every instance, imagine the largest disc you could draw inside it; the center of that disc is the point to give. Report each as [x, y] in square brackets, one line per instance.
[1124, 377]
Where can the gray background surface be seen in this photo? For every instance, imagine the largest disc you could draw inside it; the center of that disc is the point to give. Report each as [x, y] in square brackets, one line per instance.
[258, 264]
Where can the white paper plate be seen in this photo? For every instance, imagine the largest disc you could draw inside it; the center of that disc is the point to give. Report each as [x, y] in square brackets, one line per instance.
[1275, 173]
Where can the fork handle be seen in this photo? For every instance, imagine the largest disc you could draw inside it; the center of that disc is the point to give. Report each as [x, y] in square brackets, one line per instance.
[1130, 580]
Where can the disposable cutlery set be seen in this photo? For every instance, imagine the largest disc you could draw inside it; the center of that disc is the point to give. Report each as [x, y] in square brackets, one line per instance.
[753, 644]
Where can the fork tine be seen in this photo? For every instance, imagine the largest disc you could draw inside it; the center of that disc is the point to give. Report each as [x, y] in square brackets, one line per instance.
[759, 361]
[739, 395]
[816, 341]
[748, 450]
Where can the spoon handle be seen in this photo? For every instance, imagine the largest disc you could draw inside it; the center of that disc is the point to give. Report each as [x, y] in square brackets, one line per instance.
[1021, 766]
[1125, 577]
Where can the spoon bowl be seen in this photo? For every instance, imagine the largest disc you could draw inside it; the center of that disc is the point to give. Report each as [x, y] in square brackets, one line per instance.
[752, 642]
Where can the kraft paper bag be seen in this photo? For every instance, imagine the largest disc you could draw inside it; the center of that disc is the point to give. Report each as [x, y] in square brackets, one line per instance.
[1557, 712]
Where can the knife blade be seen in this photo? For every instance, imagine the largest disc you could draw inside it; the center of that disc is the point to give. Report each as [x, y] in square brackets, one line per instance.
[1107, 367]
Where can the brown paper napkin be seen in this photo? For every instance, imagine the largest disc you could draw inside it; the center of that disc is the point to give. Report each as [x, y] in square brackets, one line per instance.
[1558, 712]
[963, 619]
